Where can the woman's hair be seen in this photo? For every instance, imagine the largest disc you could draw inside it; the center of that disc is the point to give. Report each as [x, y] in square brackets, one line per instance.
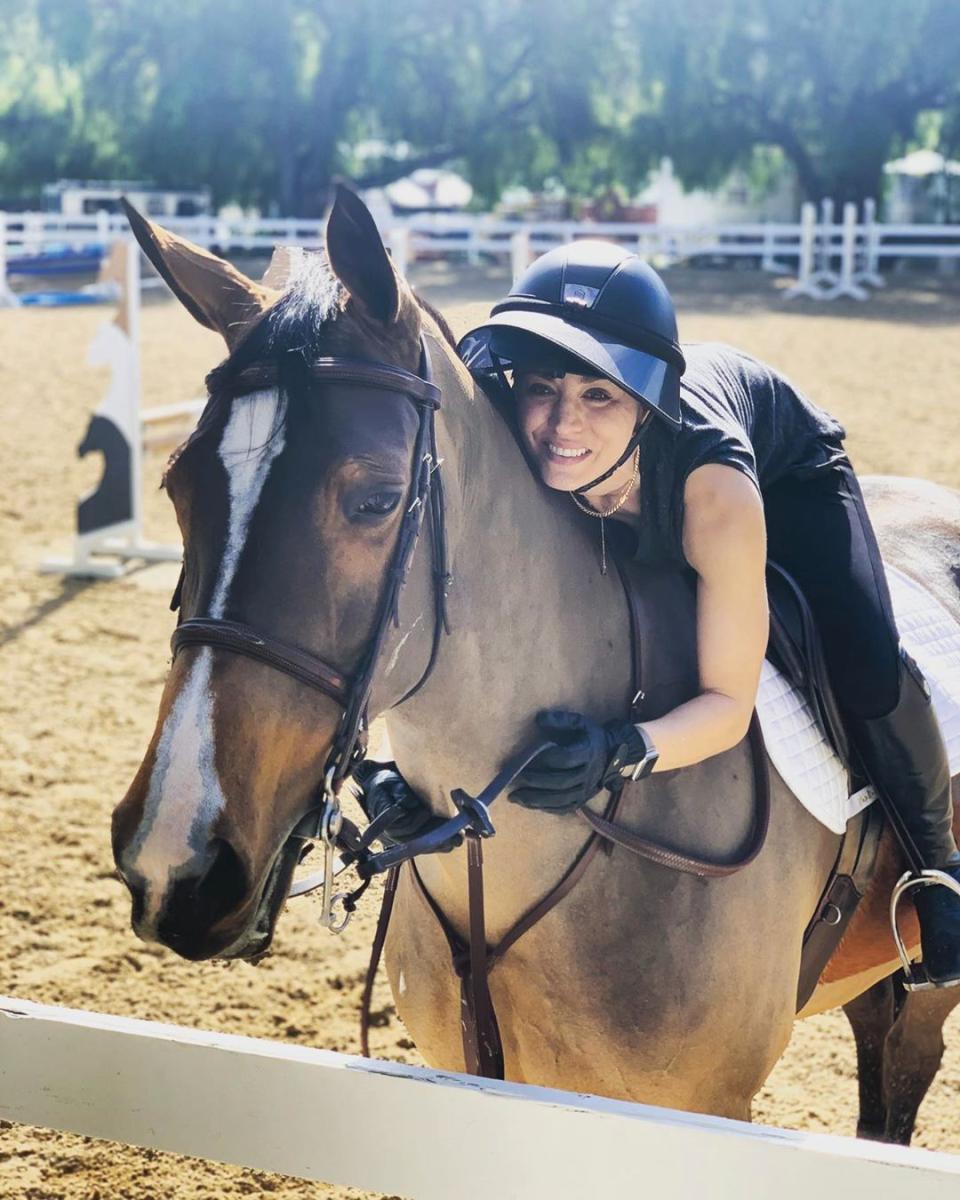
[519, 351]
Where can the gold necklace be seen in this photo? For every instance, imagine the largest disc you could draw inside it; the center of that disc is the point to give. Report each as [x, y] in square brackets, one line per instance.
[608, 512]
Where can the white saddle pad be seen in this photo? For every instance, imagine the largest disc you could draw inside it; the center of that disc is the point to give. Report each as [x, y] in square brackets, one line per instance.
[797, 746]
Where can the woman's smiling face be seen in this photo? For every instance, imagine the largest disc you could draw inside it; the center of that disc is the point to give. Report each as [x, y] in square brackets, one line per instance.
[574, 426]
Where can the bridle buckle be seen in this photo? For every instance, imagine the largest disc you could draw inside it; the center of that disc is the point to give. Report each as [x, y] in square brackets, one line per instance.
[331, 822]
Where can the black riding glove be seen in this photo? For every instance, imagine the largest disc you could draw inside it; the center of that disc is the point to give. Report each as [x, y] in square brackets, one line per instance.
[565, 776]
[380, 787]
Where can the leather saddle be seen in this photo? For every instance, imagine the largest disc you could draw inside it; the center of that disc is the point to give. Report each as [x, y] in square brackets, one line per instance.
[797, 652]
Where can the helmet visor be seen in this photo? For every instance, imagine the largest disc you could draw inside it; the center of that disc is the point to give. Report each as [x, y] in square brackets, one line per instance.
[648, 379]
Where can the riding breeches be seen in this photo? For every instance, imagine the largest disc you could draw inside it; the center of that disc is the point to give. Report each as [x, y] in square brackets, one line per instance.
[818, 530]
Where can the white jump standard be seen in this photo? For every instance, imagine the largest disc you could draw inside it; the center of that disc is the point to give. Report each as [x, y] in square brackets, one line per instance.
[109, 530]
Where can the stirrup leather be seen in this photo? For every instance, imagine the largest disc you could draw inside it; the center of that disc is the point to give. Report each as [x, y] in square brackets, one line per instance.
[916, 977]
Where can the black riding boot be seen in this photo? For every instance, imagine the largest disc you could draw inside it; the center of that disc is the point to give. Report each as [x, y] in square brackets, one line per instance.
[904, 755]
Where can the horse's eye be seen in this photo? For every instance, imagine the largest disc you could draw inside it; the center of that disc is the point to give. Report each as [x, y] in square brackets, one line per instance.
[380, 504]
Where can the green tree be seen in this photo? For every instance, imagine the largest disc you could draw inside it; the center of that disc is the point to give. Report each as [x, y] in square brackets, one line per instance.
[837, 85]
[266, 104]
[269, 111]
[44, 130]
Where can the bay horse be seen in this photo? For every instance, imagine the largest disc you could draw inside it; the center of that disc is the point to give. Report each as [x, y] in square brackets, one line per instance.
[643, 984]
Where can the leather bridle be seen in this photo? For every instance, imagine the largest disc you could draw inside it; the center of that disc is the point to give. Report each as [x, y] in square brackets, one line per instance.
[323, 820]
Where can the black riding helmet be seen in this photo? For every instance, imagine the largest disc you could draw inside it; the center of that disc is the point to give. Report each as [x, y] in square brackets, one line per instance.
[601, 304]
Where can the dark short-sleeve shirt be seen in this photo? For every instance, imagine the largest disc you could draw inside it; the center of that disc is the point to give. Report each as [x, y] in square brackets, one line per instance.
[736, 411]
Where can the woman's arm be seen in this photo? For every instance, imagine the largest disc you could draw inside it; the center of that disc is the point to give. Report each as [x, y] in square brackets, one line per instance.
[724, 540]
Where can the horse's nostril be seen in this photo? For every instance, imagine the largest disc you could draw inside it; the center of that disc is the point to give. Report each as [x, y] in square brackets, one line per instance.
[225, 885]
[197, 902]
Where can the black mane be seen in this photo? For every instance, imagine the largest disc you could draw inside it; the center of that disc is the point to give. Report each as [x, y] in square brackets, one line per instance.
[292, 326]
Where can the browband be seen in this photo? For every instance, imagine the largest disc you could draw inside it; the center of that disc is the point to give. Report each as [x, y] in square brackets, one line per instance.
[342, 369]
[377, 375]
[292, 660]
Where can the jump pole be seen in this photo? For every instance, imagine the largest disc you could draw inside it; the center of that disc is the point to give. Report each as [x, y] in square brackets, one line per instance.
[868, 268]
[769, 261]
[824, 277]
[410, 1131]
[519, 253]
[399, 241]
[846, 284]
[808, 232]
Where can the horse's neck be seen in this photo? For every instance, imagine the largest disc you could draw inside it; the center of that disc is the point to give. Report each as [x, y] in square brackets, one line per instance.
[534, 623]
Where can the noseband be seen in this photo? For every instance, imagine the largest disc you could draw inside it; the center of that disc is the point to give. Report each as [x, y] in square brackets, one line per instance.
[352, 692]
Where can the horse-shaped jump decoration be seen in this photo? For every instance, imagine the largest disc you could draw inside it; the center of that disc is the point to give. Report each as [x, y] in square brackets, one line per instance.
[294, 497]
[113, 428]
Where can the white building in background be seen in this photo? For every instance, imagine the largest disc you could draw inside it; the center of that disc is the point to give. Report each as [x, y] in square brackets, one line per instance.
[734, 201]
[84, 198]
[664, 200]
[922, 187]
[427, 190]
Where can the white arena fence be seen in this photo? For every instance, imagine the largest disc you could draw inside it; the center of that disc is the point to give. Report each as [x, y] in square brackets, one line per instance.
[830, 256]
[386, 1127]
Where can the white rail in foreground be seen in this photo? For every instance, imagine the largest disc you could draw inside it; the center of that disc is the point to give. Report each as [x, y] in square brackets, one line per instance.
[421, 1133]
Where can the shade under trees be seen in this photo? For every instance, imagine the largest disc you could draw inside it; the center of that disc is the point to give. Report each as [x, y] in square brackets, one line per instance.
[267, 103]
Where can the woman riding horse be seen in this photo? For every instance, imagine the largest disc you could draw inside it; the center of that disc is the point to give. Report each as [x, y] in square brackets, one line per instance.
[711, 460]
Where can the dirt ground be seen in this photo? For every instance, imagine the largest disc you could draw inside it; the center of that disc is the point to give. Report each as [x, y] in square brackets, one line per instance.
[82, 664]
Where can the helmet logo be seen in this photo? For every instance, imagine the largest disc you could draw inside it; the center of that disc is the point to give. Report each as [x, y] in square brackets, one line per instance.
[579, 294]
[473, 352]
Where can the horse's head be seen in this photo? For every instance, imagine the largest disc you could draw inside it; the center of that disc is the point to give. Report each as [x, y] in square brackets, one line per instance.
[289, 497]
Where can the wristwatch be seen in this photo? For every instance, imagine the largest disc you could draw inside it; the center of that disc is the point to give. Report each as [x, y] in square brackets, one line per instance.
[636, 756]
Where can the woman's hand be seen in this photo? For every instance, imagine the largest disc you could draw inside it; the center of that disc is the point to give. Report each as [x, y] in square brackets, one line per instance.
[381, 786]
[565, 776]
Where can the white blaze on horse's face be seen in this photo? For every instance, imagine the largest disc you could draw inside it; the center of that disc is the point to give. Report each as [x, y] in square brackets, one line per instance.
[184, 797]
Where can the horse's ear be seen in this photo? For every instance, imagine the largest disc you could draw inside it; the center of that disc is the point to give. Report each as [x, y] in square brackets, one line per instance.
[358, 257]
[213, 291]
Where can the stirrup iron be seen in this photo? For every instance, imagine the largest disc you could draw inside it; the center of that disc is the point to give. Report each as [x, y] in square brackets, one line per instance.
[915, 976]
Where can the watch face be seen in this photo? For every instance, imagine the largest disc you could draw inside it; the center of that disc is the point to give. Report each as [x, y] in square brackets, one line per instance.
[635, 757]
[640, 755]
